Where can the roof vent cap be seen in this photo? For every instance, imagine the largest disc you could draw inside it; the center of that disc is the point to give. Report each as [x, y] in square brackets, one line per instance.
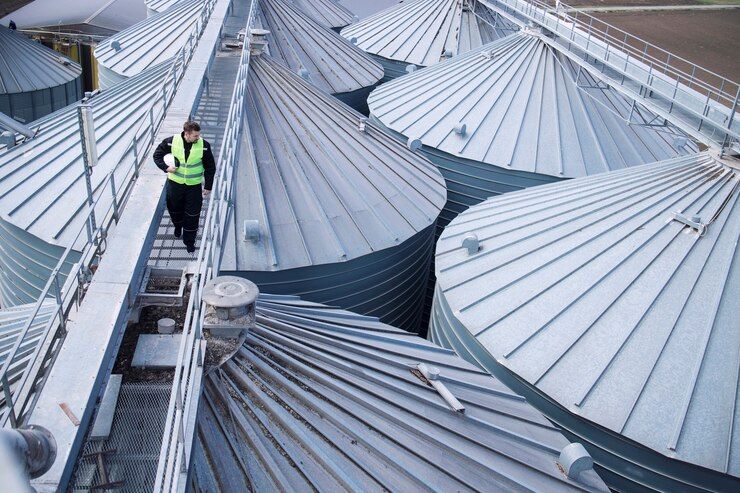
[411, 68]
[252, 230]
[413, 144]
[471, 243]
[460, 129]
[116, 45]
[575, 459]
[257, 41]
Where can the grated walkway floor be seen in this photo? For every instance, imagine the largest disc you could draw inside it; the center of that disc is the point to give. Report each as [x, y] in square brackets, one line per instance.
[168, 251]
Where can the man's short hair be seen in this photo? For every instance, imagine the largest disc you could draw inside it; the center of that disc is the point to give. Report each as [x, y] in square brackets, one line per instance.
[191, 126]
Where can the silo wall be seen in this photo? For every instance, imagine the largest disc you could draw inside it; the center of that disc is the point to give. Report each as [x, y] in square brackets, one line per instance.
[389, 284]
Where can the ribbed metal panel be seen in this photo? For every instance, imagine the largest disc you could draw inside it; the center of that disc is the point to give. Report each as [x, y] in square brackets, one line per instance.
[155, 6]
[320, 399]
[425, 32]
[322, 192]
[326, 59]
[613, 317]
[12, 322]
[363, 8]
[328, 13]
[42, 186]
[26, 264]
[148, 43]
[92, 17]
[34, 80]
[531, 117]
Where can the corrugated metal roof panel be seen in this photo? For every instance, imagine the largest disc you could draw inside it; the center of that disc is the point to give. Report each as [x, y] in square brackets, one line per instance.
[425, 32]
[328, 13]
[333, 64]
[27, 66]
[339, 214]
[525, 108]
[320, 399]
[150, 42]
[12, 322]
[594, 294]
[363, 8]
[160, 5]
[94, 17]
[42, 185]
[322, 190]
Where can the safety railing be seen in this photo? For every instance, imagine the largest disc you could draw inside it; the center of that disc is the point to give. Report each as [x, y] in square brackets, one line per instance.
[175, 454]
[21, 372]
[708, 99]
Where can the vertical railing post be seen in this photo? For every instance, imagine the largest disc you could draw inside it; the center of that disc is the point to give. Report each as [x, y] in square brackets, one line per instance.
[9, 404]
[114, 194]
[135, 145]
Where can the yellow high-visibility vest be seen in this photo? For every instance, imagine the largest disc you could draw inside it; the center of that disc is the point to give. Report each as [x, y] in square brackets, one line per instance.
[190, 171]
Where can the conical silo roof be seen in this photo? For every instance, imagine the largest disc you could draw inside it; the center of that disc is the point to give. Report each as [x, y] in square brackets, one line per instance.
[87, 17]
[328, 13]
[12, 322]
[320, 55]
[598, 296]
[42, 186]
[147, 43]
[516, 113]
[425, 32]
[27, 66]
[325, 190]
[320, 399]
[34, 80]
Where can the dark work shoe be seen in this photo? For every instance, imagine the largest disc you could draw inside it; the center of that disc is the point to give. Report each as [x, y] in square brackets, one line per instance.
[178, 231]
[191, 248]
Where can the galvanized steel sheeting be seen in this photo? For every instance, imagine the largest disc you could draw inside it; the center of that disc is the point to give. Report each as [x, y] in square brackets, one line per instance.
[93, 17]
[425, 32]
[12, 322]
[323, 399]
[299, 42]
[26, 264]
[328, 13]
[523, 111]
[323, 192]
[160, 5]
[27, 65]
[148, 43]
[42, 184]
[591, 294]
[34, 80]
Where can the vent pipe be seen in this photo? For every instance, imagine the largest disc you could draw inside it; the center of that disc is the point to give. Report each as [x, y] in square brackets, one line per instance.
[229, 315]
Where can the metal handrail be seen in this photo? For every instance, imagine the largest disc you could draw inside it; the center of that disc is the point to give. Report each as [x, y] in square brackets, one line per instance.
[659, 69]
[66, 288]
[174, 459]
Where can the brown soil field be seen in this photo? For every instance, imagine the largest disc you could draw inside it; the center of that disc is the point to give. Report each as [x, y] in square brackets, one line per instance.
[710, 39]
[625, 3]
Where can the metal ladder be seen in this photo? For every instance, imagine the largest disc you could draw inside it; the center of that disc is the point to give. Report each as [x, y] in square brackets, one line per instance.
[701, 103]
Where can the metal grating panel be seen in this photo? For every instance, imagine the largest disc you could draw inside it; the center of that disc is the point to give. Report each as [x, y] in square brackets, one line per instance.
[133, 445]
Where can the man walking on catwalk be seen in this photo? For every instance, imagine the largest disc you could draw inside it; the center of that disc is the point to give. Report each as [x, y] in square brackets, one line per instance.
[188, 161]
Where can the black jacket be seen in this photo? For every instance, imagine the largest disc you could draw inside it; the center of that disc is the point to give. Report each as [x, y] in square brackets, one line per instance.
[209, 164]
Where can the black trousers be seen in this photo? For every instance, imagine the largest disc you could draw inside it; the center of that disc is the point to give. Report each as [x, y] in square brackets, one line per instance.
[184, 203]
